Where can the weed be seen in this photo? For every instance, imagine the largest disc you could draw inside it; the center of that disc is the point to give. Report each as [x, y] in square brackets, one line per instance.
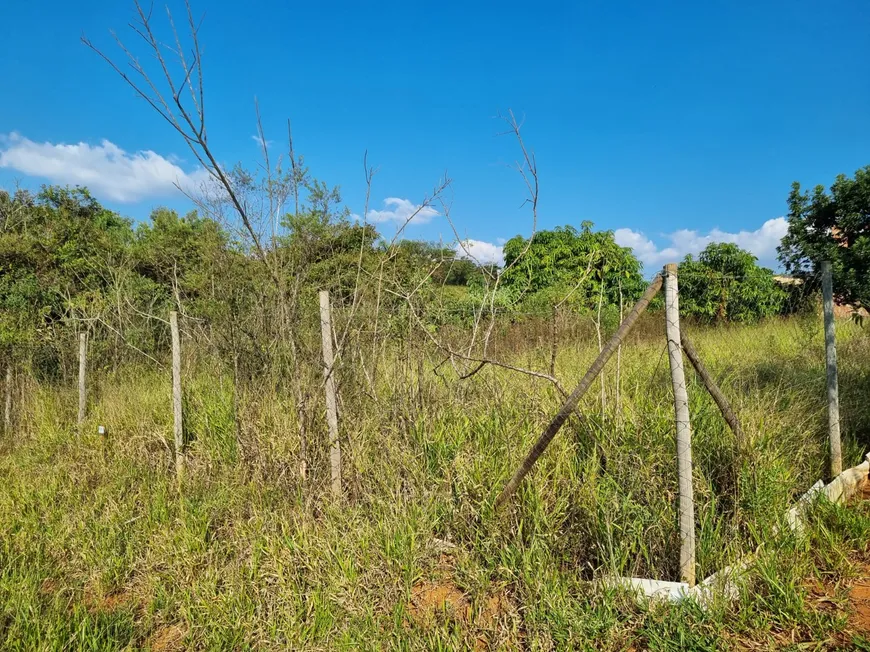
[100, 549]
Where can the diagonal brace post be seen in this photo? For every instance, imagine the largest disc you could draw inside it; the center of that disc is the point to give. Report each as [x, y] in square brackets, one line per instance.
[573, 399]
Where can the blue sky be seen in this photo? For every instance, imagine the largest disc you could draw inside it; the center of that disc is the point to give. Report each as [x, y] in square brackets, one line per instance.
[673, 123]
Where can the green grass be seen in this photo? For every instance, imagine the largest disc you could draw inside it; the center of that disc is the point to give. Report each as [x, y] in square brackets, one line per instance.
[100, 550]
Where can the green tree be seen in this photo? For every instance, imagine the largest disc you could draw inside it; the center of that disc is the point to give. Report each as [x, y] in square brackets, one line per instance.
[55, 248]
[832, 226]
[725, 283]
[461, 271]
[324, 250]
[565, 261]
[24, 298]
[59, 251]
[180, 255]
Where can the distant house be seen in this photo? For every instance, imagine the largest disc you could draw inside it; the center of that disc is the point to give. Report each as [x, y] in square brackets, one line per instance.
[841, 310]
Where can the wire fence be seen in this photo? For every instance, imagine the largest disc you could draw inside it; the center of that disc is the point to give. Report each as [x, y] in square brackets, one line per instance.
[645, 422]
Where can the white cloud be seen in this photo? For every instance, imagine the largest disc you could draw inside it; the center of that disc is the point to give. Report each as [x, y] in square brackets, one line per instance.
[762, 242]
[106, 169]
[401, 211]
[260, 142]
[482, 252]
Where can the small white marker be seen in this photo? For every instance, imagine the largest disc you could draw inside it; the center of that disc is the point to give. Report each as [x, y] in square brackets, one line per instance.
[101, 430]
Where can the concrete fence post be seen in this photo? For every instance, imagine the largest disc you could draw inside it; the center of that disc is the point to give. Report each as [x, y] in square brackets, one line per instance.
[831, 368]
[83, 368]
[331, 402]
[684, 428]
[177, 415]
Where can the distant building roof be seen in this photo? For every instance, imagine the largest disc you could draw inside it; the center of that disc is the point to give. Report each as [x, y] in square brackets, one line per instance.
[788, 280]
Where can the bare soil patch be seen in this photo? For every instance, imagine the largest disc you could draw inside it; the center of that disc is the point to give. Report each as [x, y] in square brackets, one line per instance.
[169, 638]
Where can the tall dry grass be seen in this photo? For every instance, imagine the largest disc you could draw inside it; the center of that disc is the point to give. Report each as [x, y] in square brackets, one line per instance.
[100, 549]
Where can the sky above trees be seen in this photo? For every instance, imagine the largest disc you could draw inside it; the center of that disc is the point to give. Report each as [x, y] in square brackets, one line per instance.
[673, 126]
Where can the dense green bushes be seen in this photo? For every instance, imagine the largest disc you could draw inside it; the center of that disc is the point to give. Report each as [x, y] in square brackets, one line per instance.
[579, 268]
[726, 284]
[68, 264]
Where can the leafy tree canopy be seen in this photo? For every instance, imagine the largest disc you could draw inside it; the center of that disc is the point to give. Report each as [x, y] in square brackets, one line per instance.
[565, 262]
[54, 249]
[832, 226]
[725, 283]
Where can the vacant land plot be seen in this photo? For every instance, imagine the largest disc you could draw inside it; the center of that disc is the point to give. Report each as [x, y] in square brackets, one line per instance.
[101, 549]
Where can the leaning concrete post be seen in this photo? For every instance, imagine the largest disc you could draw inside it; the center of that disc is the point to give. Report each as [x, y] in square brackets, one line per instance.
[571, 402]
[724, 406]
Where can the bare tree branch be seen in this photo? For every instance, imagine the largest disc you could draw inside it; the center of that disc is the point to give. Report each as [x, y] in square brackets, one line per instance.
[189, 124]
